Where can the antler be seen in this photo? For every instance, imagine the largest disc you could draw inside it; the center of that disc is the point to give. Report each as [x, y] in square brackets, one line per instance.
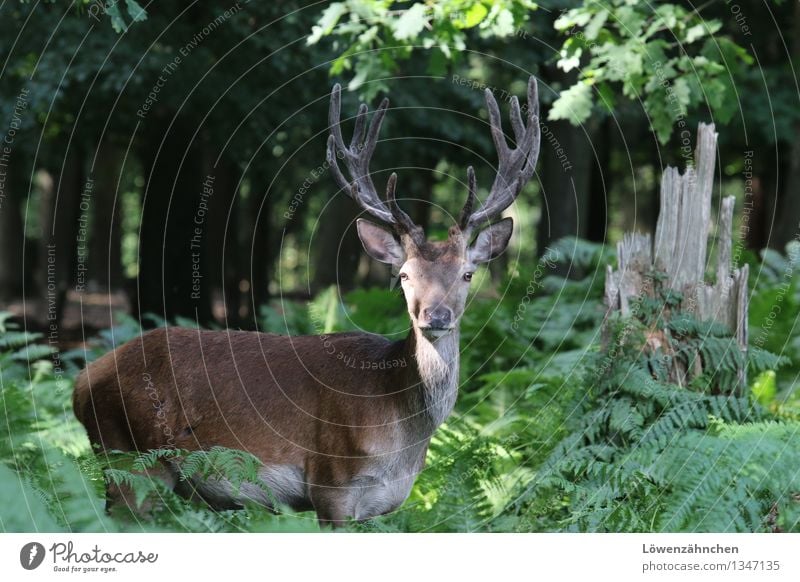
[357, 158]
[515, 166]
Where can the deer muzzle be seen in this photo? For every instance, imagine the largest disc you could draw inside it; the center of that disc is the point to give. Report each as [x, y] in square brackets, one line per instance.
[436, 321]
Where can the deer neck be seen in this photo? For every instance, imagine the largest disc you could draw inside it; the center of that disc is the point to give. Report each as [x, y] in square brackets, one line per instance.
[434, 379]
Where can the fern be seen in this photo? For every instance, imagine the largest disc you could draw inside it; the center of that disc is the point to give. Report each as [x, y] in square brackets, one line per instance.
[16, 340]
[647, 454]
[467, 482]
[739, 476]
[760, 360]
[232, 466]
[285, 317]
[552, 432]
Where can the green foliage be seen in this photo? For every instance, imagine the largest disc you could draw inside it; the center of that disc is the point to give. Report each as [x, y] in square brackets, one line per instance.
[373, 37]
[237, 467]
[669, 58]
[645, 454]
[286, 317]
[574, 104]
[743, 478]
[552, 430]
[773, 312]
[763, 389]
[230, 466]
[115, 10]
[40, 446]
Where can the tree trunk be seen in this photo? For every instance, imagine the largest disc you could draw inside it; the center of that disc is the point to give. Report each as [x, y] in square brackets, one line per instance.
[422, 183]
[678, 254]
[60, 215]
[259, 247]
[760, 200]
[11, 232]
[105, 242]
[223, 240]
[336, 248]
[787, 221]
[173, 262]
[600, 185]
[566, 164]
[787, 224]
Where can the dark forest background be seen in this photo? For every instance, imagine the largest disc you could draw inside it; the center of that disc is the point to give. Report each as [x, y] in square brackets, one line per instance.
[110, 138]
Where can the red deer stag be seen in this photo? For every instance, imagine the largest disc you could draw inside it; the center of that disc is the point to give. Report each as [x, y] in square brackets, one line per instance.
[346, 440]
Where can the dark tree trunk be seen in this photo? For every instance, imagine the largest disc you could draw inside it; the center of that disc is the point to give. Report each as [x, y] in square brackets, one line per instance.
[566, 161]
[787, 224]
[60, 213]
[565, 164]
[105, 242]
[600, 185]
[173, 261]
[223, 241]
[335, 247]
[759, 217]
[11, 233]
[787, 218]
[421, 186]
[258, 246]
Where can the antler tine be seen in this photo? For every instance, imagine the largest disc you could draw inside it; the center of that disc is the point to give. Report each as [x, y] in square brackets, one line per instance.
[404, 222]
[361, 125]
[377, 210]
[357, 156]
[334, 114]
[466, 212]
[496, 125]
[533, 121]
[516, 120]
[515, 166]
[374, 129]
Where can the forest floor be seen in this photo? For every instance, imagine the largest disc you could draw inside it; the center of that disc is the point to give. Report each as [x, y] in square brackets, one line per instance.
[84, 315]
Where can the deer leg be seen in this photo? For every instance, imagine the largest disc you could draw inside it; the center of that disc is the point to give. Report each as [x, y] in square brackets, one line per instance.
[363, 498]
[335, 505]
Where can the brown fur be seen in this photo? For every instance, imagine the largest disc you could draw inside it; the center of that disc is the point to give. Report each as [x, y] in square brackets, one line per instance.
[312, 401]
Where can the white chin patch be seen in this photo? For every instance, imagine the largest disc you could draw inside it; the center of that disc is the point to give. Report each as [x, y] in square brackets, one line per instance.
[434, 333]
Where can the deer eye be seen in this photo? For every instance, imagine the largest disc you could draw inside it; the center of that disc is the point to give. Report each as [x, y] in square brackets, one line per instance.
[468, 277]
[404, 276]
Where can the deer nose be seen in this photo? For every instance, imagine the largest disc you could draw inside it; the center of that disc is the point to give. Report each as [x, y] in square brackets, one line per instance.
[439, 316]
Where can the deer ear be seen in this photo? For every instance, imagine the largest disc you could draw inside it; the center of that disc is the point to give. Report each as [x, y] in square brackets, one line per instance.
[379, 243]
[491, 241]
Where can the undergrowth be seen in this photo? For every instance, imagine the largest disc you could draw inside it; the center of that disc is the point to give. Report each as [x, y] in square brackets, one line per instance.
[553, 431]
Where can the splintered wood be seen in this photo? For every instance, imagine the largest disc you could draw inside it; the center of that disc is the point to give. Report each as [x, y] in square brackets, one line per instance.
[679, 252]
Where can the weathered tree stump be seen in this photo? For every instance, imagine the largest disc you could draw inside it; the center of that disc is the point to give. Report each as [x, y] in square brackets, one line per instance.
[678, 257]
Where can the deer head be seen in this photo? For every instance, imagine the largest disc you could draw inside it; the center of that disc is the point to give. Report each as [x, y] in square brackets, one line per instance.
[435, 275]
